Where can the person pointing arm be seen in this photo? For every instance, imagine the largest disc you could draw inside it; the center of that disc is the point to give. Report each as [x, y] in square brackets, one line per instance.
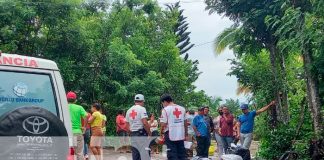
[246, 123]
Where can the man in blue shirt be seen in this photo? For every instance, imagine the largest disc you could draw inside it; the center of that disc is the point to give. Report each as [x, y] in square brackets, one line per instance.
[202, 134]
[246, 123]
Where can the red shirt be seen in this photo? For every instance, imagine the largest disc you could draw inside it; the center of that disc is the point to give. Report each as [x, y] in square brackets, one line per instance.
[88, 117]
[121, 123]
[226, 125]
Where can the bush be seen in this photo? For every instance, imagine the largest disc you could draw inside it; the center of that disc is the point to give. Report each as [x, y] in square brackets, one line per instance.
[274, 143]
[302, 148]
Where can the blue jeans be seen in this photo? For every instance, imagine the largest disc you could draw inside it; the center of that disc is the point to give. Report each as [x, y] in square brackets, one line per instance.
[246, 139]
[220, 147]
[86, 141]
[227, 140]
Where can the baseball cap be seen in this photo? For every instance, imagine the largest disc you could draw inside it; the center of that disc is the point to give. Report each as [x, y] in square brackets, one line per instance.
[244, 106]
[139, 97]
[71, 95]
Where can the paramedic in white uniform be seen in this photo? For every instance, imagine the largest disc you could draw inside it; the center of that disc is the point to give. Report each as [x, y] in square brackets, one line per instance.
[136, 121]
[174, 127]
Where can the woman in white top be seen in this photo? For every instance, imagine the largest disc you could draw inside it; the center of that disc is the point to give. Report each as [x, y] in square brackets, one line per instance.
[154, 130]
[217, 136]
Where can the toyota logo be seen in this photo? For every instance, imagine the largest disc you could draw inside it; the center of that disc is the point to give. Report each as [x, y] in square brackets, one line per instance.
[35, 125]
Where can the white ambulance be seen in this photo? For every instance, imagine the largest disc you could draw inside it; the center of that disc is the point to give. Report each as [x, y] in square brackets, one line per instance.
[34, 116]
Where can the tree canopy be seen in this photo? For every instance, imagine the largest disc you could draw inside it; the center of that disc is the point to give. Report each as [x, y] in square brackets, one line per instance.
[107, 52]
[278, 49]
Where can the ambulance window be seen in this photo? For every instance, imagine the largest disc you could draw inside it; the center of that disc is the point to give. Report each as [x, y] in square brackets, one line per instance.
[18, 89]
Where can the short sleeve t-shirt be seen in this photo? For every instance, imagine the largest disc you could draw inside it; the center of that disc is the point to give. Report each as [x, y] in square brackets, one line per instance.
[200, 123]
[170, 114]
[121, 123]
[175, 117]
[209, 122]
[164, 118]
[87, 117]
[153, 125]
[97, 122]
[134, 117]
[226, 125]
[247, 122]
[104, 118]
[76, 113]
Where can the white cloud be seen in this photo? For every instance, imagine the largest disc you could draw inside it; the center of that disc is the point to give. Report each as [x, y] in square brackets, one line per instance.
[204, 28]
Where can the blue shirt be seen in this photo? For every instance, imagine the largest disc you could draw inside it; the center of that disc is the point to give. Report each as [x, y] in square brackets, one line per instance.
[247, 122]
[201, 125]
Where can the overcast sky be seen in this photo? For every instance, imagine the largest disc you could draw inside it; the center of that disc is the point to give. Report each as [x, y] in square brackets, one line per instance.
[204, 28]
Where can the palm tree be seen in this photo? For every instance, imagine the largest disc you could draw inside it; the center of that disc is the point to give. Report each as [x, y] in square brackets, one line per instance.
[226, 39]
[242, 89]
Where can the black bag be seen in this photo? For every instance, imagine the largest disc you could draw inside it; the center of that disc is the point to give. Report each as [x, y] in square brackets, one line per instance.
[244, 153]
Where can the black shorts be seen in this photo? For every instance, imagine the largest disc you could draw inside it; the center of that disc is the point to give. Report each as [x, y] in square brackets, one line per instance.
[155, 133]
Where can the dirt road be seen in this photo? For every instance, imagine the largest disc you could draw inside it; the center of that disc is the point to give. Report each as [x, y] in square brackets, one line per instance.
[110, 154]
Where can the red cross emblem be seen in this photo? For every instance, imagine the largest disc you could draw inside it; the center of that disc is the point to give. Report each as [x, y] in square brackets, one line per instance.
[177, 113]
[133, 114]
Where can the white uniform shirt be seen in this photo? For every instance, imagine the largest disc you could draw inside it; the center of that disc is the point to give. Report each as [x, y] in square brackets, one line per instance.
[134, 117]
[174, 116]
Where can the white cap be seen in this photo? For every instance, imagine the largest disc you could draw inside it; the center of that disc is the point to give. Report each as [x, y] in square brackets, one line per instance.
[139, 97]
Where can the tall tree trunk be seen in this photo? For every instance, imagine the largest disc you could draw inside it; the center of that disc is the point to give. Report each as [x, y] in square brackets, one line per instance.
[274, 110]
[283, 91]
[280, 113]
[313, 98]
